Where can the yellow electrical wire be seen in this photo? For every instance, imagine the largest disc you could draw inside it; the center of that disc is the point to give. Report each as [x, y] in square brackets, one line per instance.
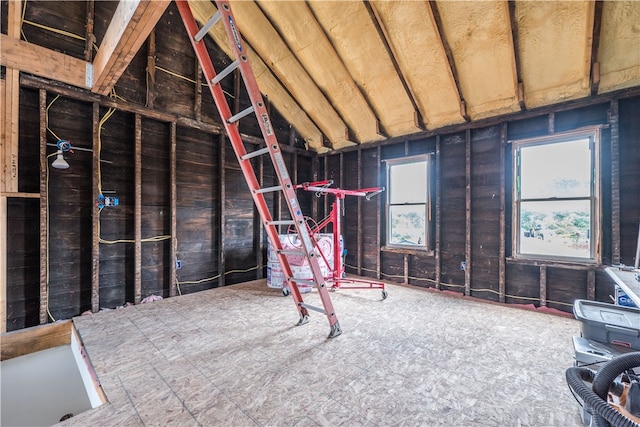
[53, 30]
[47, 117]
[24, 11]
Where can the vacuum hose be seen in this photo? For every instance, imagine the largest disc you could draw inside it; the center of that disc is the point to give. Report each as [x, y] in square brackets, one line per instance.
[596, 398]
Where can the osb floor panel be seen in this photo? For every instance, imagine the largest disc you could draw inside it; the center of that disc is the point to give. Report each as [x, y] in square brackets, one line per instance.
[232, 357]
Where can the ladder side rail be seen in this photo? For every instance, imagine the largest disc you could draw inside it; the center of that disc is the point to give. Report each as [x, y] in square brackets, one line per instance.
[264, 122]
[266, 127]
[236, 140]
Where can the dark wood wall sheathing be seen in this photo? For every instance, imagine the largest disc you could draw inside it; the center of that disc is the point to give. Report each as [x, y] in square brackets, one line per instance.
[219, 237]
[474, 158]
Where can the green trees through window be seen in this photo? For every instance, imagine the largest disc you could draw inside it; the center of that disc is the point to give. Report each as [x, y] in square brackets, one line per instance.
[407, 201]
[556, 208]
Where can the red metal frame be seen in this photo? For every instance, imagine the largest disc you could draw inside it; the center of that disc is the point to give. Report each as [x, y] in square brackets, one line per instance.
[337, 278]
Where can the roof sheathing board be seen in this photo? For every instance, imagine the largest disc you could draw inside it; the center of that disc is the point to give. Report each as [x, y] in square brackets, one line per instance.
[265, 40]
[619, 49]
[413, 32]
[479, 34]
[305, 37]
[269, 85]
[354, 36]
[555, 50]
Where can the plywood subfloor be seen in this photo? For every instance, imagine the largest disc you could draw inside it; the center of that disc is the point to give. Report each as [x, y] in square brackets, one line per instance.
[232, 357]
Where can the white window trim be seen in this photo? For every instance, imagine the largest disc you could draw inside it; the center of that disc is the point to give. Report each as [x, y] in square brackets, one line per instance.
[594, 134]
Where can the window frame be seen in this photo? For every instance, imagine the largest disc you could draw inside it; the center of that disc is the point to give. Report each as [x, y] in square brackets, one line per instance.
[594, 135]
[428, 204]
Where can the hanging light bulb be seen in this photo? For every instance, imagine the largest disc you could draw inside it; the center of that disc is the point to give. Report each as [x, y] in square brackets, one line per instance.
[60, 162]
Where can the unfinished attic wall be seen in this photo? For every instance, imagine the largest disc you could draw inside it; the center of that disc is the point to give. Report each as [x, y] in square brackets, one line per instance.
[173, 177]
[473, 174]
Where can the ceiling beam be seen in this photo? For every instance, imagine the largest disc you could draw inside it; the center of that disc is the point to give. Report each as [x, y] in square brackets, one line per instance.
[516, 53]
[452, 63]
[129, 28]
[44, 62]
[386, 41]
[269, 85]
[258, 31]
[595, 45]
[312, 46]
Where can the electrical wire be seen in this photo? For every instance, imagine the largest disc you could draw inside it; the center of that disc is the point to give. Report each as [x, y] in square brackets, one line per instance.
[451, 285]
[46, 116]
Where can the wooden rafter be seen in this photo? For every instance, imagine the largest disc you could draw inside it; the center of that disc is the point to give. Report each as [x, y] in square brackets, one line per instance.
[516, 53]
[269, 85]
[452, 63]
[130, 26]
[595, 45]
[386, 41]
[265, 41]
[313, 48]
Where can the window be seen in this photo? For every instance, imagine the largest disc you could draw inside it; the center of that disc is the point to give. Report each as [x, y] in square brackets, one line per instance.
[556, 194]
[408, 204]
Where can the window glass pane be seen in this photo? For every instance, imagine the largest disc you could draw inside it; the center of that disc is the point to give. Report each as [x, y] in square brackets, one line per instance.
[560, 169]
[561, 228]
[408, 183]
[407, 225]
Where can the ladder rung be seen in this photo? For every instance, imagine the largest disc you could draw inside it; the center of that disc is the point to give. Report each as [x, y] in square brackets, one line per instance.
[240, 115]
[312, 307]
[283, 222]
[301, 281]
[286, 252]
[210, 23]
[269, 189]
[224, 73]
[256, 153]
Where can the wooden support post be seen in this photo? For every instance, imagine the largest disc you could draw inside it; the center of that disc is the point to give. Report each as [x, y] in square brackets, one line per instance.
[89, 37]
[502, 259]
[341, 177]
[173, 286]
[223, 194]
[197, 103]
[259, 230]
[326, 177]
[9, 121]
[9, 144]
[406, 268]
[591, 285]
[151, 69]
[543, 286]
[379, 215]
[237, 79]
[137, 281]
[3, 264]
[11, 103]
[314, 177]
[44, 210]
[360, 237]
[95, 215]
[438, 238]
[615, 182]
[467, 239]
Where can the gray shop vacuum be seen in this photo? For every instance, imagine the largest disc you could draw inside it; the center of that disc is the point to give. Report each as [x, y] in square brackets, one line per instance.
[605, 378]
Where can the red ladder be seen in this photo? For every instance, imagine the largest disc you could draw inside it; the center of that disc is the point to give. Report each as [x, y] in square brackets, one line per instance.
[272, 148]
